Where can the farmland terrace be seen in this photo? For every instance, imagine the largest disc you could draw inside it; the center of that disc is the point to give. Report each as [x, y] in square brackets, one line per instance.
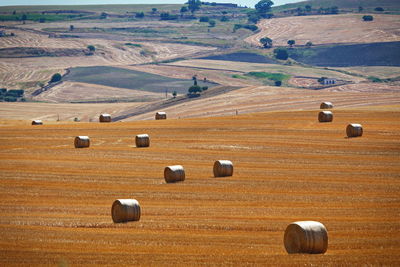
[56, 200]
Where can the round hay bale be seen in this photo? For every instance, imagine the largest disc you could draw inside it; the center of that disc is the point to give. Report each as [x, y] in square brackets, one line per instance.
[82, 141]
[124, 210]
[223, 168]
[325, 105]
[105, 118]
[325, 116]
[142, 140]
[173, 174]
[161, 115]
[37, 122]
[354, 130]
[306, 237]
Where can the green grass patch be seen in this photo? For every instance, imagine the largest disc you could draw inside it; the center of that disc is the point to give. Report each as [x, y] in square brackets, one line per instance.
[135, 45]
[270, 76]
[238, 76]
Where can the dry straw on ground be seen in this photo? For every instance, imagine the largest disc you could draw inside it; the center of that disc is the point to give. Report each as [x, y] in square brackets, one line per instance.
[124, 210]
[223, 168]
[37, 122]
[161, 115]
[142, 140]
[325, 105]
[105, 118]
[325, 116]
[174, 174]
[306, 237]
[82, 141]
[354, 130]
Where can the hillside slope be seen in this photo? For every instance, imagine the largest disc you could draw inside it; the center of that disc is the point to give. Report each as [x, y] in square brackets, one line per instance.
[328, 29]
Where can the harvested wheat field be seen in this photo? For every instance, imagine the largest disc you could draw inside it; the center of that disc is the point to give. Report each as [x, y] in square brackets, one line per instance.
[56, 200]
[345, 28]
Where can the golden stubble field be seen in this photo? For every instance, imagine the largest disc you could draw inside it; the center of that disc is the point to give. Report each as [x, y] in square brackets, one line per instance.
[345, 28]
[56, 200]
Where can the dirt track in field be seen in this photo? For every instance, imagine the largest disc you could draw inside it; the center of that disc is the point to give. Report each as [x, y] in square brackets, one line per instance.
[56, 200]
[346, 28]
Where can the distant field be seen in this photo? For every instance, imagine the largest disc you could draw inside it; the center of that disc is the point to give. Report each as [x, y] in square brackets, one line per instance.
[123, 78]
[374, 54]
[328, 29]
[94, 8]
[368, 5]
[242, 57]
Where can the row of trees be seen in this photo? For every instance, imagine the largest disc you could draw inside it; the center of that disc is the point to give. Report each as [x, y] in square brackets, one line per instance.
[12, 95]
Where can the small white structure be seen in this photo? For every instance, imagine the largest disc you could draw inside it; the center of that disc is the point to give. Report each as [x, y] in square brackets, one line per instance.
[328, 81]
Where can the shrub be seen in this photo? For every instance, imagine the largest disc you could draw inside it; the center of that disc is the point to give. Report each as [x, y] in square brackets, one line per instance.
[204, 19]
[380, 9]
[42, 20]
[212, 23]
[204, 88]
[139, 15]
[194, 89]
[278, 83]
[309, 44]
[10, 99]
[368, 18]
[91, 48]
[15, 93]
[281, 53]
[224, 19]
[55, 78]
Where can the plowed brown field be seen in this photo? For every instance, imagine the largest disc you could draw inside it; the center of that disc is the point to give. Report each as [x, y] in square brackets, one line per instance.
[55, 200]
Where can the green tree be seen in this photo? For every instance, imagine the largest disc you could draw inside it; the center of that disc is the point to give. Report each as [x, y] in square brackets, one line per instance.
[204, 19]
[153, 10]
[360, 9]
[266, 42]
[42, 20]
[368, 18]
[174, 94]
[91, 48]
[263, 7]
[194, 5]
[24, 17]
[212, 23]
[183, 10]
[278, 83]
[379, 9]
[291, 42]
[194, 89]
[204, 88]
[103, 15]
[308, 8]
[55, 78]
[224, 19]
[281, 53]
[309, 44]
[71, 27]
[139, 15]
